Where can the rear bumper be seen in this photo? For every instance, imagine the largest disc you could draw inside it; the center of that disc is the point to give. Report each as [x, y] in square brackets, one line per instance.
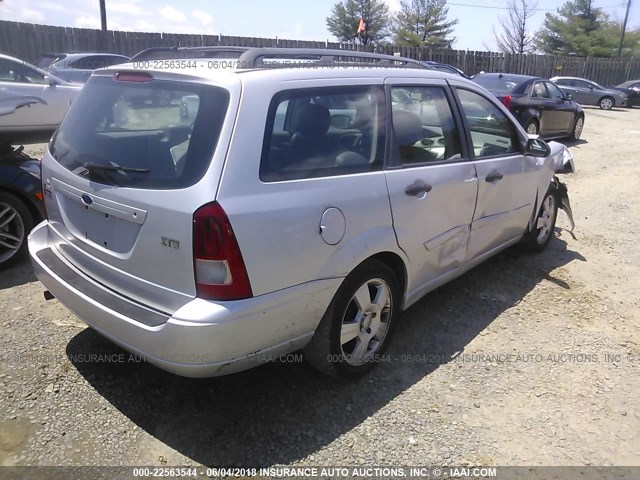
[200, 339]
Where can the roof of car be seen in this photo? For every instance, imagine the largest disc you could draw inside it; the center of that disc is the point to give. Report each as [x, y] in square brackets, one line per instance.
[88, 54]
[285, 72]
[572, 78]
[628, 82]
[510, 76]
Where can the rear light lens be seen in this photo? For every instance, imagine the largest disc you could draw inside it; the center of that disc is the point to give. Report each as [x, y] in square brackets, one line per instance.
[218, 265]
[506, 101]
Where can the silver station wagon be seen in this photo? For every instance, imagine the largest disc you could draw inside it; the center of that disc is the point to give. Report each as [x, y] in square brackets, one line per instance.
[296, 205]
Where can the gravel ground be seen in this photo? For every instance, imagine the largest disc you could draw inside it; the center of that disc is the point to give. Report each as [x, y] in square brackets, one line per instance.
[526, 360]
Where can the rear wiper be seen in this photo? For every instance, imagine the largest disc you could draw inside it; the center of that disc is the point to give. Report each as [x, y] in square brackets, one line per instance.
[113, 168]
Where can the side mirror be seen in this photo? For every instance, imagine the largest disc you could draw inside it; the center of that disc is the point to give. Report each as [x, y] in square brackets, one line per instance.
[568, 97]
[538, 148]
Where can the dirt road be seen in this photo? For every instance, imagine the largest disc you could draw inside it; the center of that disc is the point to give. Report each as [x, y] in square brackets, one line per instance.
[526, 360]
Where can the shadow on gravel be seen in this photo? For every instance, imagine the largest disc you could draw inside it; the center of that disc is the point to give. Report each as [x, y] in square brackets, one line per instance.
[19, 274]
[575, 143]
[281, 413]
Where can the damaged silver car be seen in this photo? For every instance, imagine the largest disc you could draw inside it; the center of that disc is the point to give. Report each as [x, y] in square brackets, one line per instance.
[292, 208]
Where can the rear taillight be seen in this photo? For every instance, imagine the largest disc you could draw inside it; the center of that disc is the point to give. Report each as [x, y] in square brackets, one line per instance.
[506, 101]
[219, 268]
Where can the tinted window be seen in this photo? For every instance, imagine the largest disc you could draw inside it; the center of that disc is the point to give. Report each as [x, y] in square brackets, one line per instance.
[323, 132]
[96, 61]
[492, 132]
[115, 124]
[563, 81]
[497, 84]
[581, 84]
[424, 130]
[554, 92]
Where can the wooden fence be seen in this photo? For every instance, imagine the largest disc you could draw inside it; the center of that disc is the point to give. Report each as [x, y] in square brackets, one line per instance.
[28, 41]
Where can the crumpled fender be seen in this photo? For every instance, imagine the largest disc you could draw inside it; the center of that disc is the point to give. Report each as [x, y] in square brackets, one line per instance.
[563, 163]
[563, 197]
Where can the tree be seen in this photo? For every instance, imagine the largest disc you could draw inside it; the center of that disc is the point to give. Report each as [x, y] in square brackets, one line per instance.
[424, 23]
[345, 18]
[515, 37]
[578, 28]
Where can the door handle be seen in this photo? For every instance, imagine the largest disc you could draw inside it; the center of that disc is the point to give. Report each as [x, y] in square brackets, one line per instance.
[417, 187]
[493, 177]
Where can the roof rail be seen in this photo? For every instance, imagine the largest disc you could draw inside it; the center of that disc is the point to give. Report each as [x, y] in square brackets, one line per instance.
[254, 57]
[163, 53]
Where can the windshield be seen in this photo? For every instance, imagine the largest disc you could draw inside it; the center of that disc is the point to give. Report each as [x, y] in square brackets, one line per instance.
[497, 84]
[151, 134]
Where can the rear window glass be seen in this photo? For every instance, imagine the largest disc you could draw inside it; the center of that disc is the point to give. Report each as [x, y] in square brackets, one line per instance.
[154, 134]
[496, 84]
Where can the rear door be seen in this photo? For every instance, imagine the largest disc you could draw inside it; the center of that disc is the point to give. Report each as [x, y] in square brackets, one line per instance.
[123, 178]
[505, 192]
[303, 186]
[432, 182]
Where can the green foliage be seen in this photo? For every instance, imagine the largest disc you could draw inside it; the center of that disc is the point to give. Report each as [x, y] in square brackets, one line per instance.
[345, 17]
[424, 23]
[579, 28]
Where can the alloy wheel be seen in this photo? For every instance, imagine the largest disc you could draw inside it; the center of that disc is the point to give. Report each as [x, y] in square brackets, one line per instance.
[546, 219]
[12, 232]
[366, 322]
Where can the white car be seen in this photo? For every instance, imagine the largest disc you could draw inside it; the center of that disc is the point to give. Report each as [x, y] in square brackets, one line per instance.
[18, 78]
[296, 207]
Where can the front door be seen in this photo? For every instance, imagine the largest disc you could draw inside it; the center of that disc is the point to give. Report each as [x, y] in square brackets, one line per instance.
[431, 180]
[505, 198]
[564, 109]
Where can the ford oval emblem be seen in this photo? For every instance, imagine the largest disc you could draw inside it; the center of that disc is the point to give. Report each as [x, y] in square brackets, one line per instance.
[86, 199]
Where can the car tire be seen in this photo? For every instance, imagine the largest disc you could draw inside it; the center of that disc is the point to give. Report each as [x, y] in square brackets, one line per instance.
[578, 126]
[537, 239]
[532, 127]
[358, 324]
[15, 224]
[606, 103]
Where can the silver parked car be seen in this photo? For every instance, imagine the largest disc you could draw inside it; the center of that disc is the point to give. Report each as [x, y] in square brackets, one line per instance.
[291, 208]
[586, 92]
[78, 67]
[40, 119]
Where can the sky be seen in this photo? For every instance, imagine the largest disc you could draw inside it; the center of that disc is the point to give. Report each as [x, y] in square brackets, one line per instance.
[288, 19]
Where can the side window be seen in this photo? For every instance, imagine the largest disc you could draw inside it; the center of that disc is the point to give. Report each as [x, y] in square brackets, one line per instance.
[581, 84]
[7, 71]
[539, 90]
[562, 81]
[323, 132]
[554, 91]
[492, 132]
[424, 128]
[17, 72]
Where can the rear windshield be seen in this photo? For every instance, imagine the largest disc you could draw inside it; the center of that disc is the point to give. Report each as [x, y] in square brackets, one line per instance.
[47, 60]
[153, 134]
[496, 84]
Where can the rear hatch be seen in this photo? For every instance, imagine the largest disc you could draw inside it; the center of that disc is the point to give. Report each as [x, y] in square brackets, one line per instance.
[125, 173]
